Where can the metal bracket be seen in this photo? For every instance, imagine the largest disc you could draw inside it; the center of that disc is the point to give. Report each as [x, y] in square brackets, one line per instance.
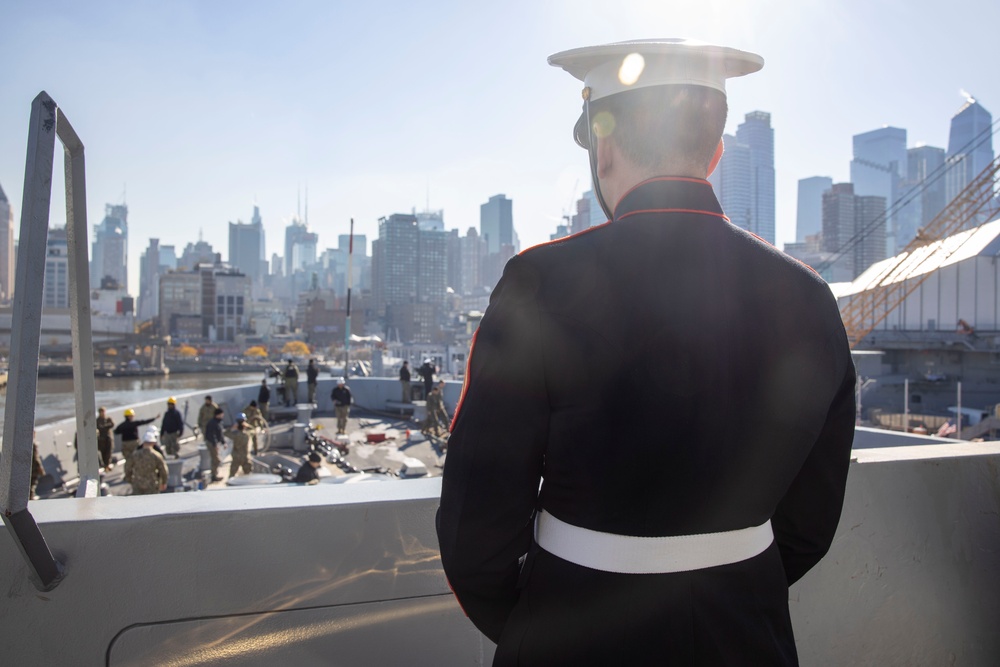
[47, 123]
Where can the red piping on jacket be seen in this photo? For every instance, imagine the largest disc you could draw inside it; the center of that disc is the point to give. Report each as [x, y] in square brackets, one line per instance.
[675, 210]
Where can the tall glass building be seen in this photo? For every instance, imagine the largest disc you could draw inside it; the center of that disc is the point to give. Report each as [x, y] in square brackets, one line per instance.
[970, 147]
[744, 179]
[878, 170]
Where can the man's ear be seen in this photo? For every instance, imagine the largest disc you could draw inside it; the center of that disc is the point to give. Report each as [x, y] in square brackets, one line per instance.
[605, 156]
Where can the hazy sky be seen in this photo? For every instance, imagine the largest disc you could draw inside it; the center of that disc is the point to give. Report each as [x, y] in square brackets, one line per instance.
[200, 109]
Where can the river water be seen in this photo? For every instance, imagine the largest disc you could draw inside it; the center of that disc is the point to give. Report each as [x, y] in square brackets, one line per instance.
[54, 400]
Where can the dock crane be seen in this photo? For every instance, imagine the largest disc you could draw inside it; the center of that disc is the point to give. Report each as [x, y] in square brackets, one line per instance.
[889, 288]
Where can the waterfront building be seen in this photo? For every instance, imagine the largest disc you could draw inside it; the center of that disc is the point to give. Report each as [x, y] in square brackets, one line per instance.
[597, 216]
[7, 261]
[744, 178]
[853, 230]
[246, 247]
[496, 223]
[231, 314]
[878, 168]
[809, 207]
[180, 297]
[562, 231]
[970, 149]
[922, 162]
[109, 255]
[409, 266]
[55, 292]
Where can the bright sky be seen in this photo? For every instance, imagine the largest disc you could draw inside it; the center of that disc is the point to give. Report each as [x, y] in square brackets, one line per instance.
[202, 108]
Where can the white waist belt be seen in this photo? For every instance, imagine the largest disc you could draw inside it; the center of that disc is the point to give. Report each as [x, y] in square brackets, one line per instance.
[627, 554]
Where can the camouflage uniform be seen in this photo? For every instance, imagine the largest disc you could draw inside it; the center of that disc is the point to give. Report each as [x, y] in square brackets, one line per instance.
[241, 458]
[146, 472]
[205, 414]
[437, 416]
[105, 441]
[256, 421]
[37, 470]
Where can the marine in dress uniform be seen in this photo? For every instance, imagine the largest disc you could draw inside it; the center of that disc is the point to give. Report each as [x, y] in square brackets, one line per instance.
[145, 470]
[264, 398]
[695, 466]
[312, 378]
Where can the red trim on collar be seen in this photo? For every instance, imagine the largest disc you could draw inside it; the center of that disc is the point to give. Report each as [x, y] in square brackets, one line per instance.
[566, 238]
[660, 179]
[676, 210]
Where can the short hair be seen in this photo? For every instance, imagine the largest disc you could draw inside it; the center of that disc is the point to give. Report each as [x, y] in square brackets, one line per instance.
[218, 411]
[661, 125]
[208, 398]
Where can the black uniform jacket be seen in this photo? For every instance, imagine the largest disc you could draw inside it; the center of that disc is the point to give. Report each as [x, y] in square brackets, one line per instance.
[665, 374]
[173, 422]
[128, 429]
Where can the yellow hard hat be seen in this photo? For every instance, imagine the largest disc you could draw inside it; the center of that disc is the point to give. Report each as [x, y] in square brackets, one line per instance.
[171, 401]
[130, 413]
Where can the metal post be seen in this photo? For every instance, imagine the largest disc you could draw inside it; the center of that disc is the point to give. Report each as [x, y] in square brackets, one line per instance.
[350, 284]
[906, 405]
[79, 309]
[19, 412]
[958, 427]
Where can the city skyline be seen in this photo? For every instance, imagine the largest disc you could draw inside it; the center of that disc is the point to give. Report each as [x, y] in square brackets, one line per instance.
[218, 107]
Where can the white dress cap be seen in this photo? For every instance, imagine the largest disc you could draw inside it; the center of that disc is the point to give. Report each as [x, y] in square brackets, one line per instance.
[151, 434]
[616, 68]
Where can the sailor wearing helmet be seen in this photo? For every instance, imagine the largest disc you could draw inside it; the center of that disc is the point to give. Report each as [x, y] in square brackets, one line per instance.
[172, 428]
[728, 361]
[145, 470]
[129, 431]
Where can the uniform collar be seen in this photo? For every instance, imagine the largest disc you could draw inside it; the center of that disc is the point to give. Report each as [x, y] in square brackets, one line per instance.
[669, 194]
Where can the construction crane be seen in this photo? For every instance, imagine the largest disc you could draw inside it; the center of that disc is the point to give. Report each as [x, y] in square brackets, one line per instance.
[865, 310]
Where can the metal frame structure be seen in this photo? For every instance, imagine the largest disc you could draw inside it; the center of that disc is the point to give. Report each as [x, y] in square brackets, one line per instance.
[47, 123]
[866, 310]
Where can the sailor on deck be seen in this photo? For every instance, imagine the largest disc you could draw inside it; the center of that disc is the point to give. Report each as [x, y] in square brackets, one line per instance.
[669, 536]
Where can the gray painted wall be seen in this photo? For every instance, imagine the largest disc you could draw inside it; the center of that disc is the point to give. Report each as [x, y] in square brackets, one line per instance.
[351, 575]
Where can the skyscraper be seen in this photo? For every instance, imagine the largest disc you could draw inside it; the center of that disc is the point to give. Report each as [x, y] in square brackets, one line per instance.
[300, 247]
[970, 147]
[732, 182]
[496, 223]
[852, 228]
[409, 276]
[809, 210]
[430, 221]
[744, 178]
[756, 133]
[6, 249]
[921, 162]
[246, 247]
[878, 169]
[55, 290]
[149, 269]
[109, 258]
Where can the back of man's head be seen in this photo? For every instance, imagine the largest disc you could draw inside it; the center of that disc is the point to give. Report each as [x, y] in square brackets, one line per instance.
[664, 130]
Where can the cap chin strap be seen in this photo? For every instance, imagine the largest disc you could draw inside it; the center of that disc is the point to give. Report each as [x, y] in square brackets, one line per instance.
[592, 154]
